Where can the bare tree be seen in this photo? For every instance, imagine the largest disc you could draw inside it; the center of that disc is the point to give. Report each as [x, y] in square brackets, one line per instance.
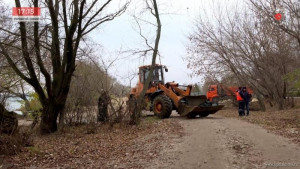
[257, 53]
[152, 7]
[92, 83]
[111, 101]
[56, 39]
[83, 92]
[290, 10]
[11, 84]
[290, 22]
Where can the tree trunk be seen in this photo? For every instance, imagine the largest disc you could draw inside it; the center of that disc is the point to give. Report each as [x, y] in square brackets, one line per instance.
[140, 100]
[49, 117]
[280, 103]
[61, 120]
[2, 109]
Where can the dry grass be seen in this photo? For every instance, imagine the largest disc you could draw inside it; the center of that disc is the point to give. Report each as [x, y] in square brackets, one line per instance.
[11, 144]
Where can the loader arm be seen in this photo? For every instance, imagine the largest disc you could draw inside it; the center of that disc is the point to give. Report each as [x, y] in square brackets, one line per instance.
[186, 104]
[170, 94]
[186, 92]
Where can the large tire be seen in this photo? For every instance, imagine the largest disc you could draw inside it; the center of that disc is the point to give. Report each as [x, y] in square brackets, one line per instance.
[162, 106]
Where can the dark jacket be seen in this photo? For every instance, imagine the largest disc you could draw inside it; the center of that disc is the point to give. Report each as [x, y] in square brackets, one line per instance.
[246, 96]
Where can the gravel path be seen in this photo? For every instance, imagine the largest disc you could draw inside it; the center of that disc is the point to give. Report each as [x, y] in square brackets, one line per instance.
[217, 142]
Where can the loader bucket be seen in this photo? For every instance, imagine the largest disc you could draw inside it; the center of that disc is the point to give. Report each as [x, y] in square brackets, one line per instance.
[197, 105]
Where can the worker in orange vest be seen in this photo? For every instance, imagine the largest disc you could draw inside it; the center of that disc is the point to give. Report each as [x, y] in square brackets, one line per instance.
[241, 101]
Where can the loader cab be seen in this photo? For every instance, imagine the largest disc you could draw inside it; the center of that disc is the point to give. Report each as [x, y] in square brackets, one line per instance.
[158, 73]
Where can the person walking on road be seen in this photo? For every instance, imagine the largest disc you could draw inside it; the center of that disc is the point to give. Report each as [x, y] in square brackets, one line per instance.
[247, 98]
[241, 102]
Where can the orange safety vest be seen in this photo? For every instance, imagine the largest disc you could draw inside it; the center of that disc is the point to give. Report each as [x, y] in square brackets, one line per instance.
[239, 97]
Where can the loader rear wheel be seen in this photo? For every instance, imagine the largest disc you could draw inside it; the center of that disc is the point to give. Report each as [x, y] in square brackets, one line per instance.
[162, 106]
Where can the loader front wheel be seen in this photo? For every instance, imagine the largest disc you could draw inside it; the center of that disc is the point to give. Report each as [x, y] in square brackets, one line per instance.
[162, 106]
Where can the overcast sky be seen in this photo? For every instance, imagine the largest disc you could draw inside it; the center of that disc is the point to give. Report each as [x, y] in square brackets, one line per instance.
[177, 22]
[176, 25]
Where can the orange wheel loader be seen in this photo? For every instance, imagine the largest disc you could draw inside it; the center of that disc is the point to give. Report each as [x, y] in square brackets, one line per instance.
[162, 98]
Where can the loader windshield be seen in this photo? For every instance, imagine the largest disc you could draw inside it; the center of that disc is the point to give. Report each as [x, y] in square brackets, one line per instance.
[157, 74]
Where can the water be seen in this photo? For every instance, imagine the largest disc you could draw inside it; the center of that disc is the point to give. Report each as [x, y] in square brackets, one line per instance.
[13, 104]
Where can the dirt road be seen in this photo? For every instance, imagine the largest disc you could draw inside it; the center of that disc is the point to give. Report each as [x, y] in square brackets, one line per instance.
[217, 142]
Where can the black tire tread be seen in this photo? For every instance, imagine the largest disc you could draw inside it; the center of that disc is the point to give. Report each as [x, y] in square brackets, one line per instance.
[166, 106]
